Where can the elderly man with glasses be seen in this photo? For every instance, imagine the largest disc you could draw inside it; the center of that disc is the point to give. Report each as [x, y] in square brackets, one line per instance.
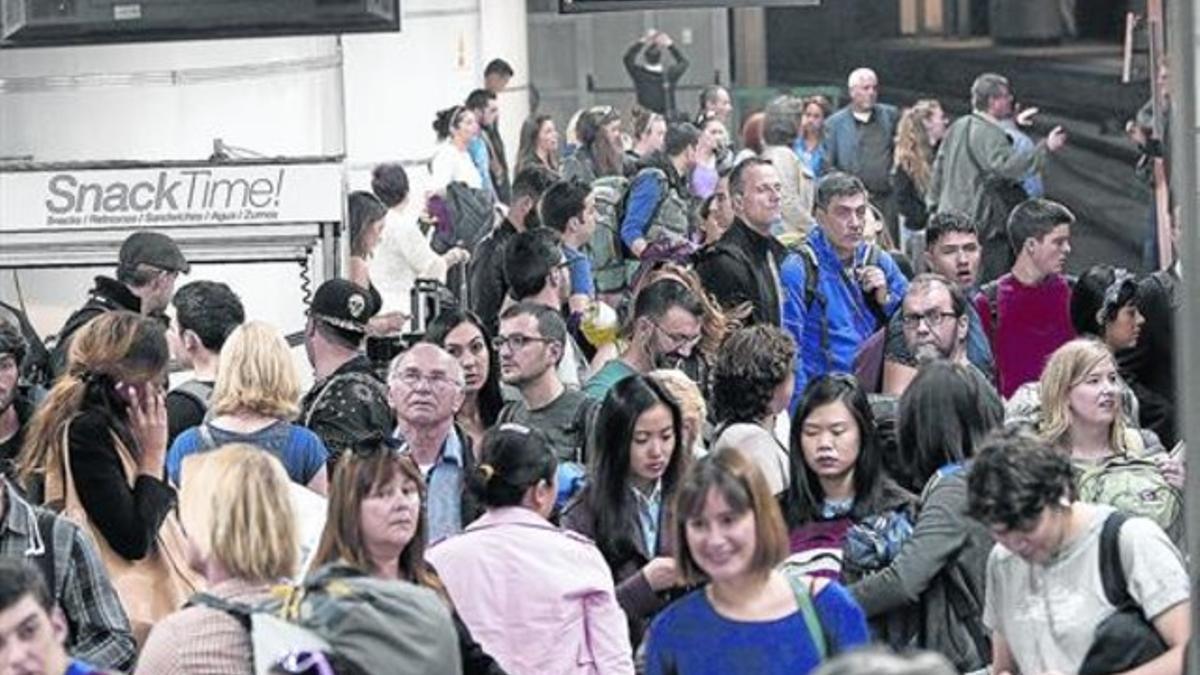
[530, 345]
[425, 389]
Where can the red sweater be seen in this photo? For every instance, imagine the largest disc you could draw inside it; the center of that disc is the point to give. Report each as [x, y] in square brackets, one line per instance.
[1032, 321]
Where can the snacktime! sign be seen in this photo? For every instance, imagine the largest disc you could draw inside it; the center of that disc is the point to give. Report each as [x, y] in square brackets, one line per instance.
[170, 196]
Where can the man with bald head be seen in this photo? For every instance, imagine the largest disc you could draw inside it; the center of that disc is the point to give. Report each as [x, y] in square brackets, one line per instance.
[425, 389]
[858, 139]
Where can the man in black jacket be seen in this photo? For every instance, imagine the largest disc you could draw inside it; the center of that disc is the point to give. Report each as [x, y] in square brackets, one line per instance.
[147, 267]
[488, 286]
[743, 266]
[654, 82]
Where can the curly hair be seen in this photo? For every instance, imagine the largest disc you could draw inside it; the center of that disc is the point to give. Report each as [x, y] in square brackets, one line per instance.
[914, 151]
[1014, 477]
[753, 362]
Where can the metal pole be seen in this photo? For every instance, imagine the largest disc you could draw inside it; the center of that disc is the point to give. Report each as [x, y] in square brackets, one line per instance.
[1181, 47]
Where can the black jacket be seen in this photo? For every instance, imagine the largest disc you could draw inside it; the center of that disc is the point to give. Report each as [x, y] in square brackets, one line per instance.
[738, 269]
[655, 90]
[108, 295]
[1149, 366]
[349, 405]
[487, 284]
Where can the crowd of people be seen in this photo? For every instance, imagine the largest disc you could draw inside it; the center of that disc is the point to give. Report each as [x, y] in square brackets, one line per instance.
[782, 401]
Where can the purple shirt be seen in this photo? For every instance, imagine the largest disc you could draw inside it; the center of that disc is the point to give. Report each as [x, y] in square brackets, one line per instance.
[537, 599]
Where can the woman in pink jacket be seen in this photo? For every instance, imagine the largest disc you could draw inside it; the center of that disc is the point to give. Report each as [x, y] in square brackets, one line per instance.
[537, 598]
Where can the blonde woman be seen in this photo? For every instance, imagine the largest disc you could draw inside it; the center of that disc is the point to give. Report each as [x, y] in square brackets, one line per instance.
[256, 394]
[918, 134]
[243, 538]
[1081, 416]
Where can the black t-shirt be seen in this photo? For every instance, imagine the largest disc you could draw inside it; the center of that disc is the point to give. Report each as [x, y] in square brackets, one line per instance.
[184, 411]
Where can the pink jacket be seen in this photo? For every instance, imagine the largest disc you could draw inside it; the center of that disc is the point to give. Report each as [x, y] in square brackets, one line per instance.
[537, 599]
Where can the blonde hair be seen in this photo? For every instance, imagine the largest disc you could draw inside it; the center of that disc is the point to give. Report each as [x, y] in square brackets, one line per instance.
[1068, 366]
[235, 504]
[914, 150]
[691, 401]
[256, 373]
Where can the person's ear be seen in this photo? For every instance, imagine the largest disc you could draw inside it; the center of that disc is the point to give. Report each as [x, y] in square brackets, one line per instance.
[58, 625]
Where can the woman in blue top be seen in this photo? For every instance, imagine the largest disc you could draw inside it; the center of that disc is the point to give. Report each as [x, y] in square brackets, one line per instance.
[749, 617]
[256, 394]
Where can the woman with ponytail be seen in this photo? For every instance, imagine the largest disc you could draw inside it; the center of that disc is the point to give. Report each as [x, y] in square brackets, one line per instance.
[537, 598]
[98, 446]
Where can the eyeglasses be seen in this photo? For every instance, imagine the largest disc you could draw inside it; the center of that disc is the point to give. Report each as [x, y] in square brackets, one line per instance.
[933, 318]
[516, 341]
[678, 340]
[413, 378]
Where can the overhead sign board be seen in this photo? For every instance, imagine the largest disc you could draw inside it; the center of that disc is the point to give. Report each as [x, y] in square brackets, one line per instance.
[170, 196]
[580, 6]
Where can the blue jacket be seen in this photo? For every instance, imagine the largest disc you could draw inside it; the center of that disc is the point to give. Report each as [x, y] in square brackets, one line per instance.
[838, 303]
[841, 137]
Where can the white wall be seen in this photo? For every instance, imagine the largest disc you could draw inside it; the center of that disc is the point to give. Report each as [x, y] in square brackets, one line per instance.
[277, 96]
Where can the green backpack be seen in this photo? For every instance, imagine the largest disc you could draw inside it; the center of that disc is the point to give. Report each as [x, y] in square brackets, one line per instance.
[1134, 486]
[609, 266]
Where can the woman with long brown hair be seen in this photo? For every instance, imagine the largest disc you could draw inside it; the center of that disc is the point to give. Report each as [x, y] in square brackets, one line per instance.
[376, 523]
[538, 144]
[98, 445]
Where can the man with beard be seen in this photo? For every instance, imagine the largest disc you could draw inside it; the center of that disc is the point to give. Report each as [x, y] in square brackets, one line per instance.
[665, 329]
[425, 388]
[1027, 313]
[952, 250]
[935, 320]
[15, 405]
[601, 152]
[530, 344]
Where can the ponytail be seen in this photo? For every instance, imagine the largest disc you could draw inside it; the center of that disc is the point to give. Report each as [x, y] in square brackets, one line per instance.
[514, 458]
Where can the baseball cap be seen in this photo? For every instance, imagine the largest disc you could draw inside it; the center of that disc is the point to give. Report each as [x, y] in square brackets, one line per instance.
[343, 304]
[155, 249]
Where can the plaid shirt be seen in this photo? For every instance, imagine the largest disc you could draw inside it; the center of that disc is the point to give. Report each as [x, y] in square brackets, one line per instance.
[99, 630]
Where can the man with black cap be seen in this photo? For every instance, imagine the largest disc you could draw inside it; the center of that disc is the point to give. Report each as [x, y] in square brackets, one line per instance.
[147, 267]
[348, 400]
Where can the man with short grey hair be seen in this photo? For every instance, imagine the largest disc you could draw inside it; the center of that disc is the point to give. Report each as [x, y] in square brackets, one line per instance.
[425, 389]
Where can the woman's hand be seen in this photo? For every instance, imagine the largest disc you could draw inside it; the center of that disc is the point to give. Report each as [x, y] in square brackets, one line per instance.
[1172, 469]
[148, 424]
[661, 573]
[456, 256]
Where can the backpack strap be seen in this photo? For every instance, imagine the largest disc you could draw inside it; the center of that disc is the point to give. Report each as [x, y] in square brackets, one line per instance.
[206, 437]
[1112, 572]
[808, 612]
[991, 294]
[236, 610]
[812, 278]
[45, 561]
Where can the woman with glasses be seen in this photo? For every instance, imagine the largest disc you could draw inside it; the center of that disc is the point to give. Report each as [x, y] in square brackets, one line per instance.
[244, 539]
[846, 517]
[750, 616]
[464, 337]
[752, 382]
[638, 458]
[377, 524]
[538, 599]
[256, 395]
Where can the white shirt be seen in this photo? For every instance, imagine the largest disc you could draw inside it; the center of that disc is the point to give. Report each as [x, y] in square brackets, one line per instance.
[403, 256]
[451, 165]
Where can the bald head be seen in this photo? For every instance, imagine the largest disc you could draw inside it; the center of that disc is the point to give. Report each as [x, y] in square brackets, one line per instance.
[425, 386]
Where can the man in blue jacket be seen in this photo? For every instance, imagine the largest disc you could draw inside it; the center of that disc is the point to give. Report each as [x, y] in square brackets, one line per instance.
[837, 289]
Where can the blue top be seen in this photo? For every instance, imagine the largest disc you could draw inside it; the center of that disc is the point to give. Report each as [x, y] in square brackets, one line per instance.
[477, 148]
[580, 267]
[645, 193]
[302, 452]
[815, 159]
[847, 317]
[445, 480]
[690, 637]
[80, 668]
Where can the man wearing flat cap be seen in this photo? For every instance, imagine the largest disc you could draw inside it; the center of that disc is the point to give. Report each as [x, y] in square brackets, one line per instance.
[348, 401]
[147, 267]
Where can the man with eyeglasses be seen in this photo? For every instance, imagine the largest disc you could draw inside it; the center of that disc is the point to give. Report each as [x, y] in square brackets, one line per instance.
[147, 266]
[666, 329]
[425, 388]
[935, 321]
[952, 250]
[530, 344]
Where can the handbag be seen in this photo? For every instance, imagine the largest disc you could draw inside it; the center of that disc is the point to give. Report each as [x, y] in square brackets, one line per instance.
[1126, 639]
[150, 588]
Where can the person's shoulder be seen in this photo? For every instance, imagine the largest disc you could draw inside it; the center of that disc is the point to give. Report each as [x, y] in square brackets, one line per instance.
[187, 439]
[689, 610]
[839, 116]
[305, 438]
